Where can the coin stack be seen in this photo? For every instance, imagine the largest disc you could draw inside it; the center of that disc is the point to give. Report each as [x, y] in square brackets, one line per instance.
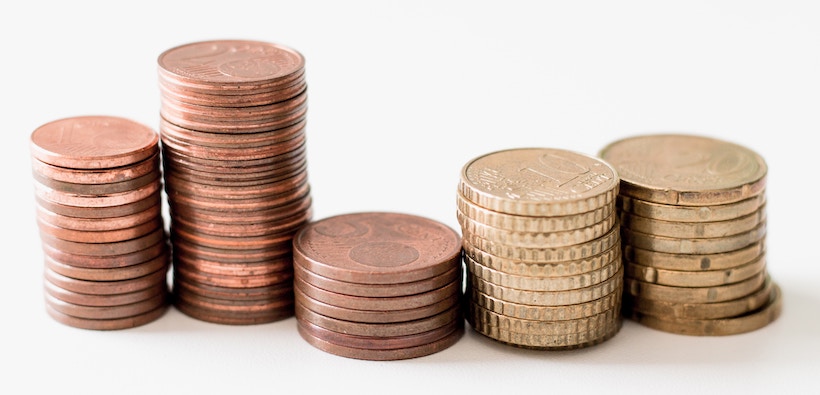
[541, 248]
[378, 286]
[233, 143]
[97, 185]
[693, 214]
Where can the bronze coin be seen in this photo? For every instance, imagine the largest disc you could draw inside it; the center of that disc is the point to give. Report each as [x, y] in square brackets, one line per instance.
[378, 290]
[270, 292]
[103, 300]
[380, 329]
[233, 281]
[229, 318]
[104, 262]
[98, 189]
[98, 224]
[108, 274]
[383, 355]
[97, 176]
[106, 312]
[112, 324]
[378, 303]
[376, 317]
[102, 236]
[154, 200]
[375, 342]
[377, 248]
[93, 142]
[104, 249]
[232, 141]
[106, 287]
[114, 199]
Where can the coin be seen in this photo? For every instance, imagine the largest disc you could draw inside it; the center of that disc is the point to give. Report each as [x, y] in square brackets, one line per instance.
[98, 189]
[694, 230]
[95, 213]
[98, 224]
[376, 342]
[705, 278]
[565, 341]
[720, 293]
[545, 313]
[543, 269]
[114, 199]
[537, 239]
[377, 303]
[694, 262]
[96, 176]
[712, 245]
[110, 324]
[106, 287]
[665, 212]
[108, 273]
[375, 316]
[106, 312]
[542, 327]
[103, 300]
[105, 236]
[380, 329]
[107, 261]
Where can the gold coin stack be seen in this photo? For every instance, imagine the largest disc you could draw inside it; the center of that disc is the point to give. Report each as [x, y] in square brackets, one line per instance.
[541, 248]
[233, 145]
[693, 215]
[97, 185]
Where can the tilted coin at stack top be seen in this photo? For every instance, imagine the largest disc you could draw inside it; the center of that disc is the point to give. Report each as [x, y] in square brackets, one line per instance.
[97, 185]
[378, 285]
[541, 247]
[234, 149]
[693, 214]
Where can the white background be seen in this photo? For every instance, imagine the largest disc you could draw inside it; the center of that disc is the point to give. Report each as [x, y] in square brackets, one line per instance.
[401, 96]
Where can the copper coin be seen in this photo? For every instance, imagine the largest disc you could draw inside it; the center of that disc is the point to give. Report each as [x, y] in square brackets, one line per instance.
[233, 281]
[103, 300]
[235, 269]
[282, 296]
[93, 142]
[204, 158]
[378, 343]
[376, 317]
[101, 212]
[183, 88]
[98, 224]
[294, 97]
[227, 179]
[170, 91]
[378, 290]
[104, 249]
[106, 312]
[114, 199]
[383, 355]
[270, 292]
[297, 115]
[237, 205]
[102, 236]
[377, 248]
[226, 255]
[378, 303]
[107, 261]
[380, 329]
[286, 226]
[257, 169]
[112, 324]
[108, 274]
[106, 287]
[231, 141]
[269, 242]
[234, 154]
[246, 218]
[98, 189]
[228, 318]
[235, 193]
[97, 176]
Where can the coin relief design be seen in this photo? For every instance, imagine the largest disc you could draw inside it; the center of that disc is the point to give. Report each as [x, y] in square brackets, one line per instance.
[224, 61]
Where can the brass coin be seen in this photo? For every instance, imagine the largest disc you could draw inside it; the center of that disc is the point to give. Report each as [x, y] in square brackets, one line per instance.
[541, 327]
[540, 182]
[720, 293]
[546, 269]
[380, 329]
[545, 313]
[695, 262]
[714, 245]
[111, 324]
[694, 230]
[705, 278]
[666, 212]
[686, 170]
[554, 239]
[566, 341]
[377, 317]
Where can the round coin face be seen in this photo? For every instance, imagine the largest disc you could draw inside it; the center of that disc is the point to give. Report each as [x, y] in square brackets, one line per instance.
[686, 170]
[93, 142]
[538, 182]
[377, 248]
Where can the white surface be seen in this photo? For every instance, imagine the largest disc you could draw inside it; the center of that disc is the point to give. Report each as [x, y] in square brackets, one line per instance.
[401, 96]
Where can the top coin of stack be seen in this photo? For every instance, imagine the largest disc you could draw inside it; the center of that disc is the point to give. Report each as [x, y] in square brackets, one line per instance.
[693, 219]
[378, 286]
[541, 247]
[233, 144]
[97, 185]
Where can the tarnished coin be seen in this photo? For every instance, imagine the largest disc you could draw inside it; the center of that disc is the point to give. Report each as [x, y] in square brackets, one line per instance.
[107, 261]
[106, 287]
[95, 213]
[714, 213]
[114, 199]
[720, 293]
[713, 245]
[271, 292]
[104, 236]
[704, 278]
[376, 342]
[538, 182]
[686, 170]
[98, 224]
[695, 262]
[377, 248]
[694, 230]
[234, 318]
[93, 142]
[118, 248]
[98, 189]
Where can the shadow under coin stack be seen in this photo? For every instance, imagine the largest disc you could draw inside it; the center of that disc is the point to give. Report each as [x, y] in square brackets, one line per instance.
[693, 224]
[378, 286]
[97, 187]
[233, 144]
[541, 248]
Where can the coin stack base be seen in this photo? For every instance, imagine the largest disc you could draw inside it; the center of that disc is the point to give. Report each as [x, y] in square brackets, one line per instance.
[97, 187]
[378, 286]
[541, 248]
[693, 214]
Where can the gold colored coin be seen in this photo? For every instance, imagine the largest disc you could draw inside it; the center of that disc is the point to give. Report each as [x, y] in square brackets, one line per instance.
[719, 293]
[666, 212]
[700, 311]
[695, 262]
[545, 313]
[548, 298]
[540, 327]
[536, 239]
[686, 170]
[567, 341]
[706, 278]
[539, 182]
[564, 283]
[694, 230]
[545, 269]
[712, 245]
[721, 326]
[524, 223]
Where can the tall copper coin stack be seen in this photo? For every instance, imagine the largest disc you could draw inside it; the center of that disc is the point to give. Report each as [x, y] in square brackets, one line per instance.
[233, 144]
[378, 286]
[694, 224]
[97, 186]
[541, 248]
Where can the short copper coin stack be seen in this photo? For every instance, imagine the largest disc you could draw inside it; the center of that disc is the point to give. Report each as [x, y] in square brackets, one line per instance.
[97, 186]
[378, 286]
[233, 144]
[693, 214]
[541, 248]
